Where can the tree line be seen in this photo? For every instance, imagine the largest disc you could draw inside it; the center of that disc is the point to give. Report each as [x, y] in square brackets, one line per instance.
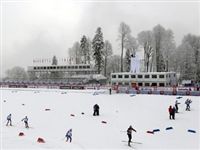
[161, 54]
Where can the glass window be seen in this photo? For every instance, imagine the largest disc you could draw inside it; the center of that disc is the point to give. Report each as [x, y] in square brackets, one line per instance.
[126, 76]
[140, 84]
[146, 84]
[154, 84]
[34, 68]
[154, 76]
[80, 67]
[139, 76]
[88, 67]
[119, 76]
[132, 76]
[161, 76]
[76, 67]
[113, 76]
[161, 84]
[84, 67]
[146, 76]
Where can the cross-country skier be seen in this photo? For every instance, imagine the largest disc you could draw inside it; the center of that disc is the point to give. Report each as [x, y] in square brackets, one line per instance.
[110, 91]
[176, 105]
[173, 112]
[187, 102]
[170, 110]
[9, 120]
[96, 110]
[69, 135]
[129, 133]
[25, 121]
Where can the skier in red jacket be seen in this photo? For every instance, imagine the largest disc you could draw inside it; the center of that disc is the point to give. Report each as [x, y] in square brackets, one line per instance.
[170, 109]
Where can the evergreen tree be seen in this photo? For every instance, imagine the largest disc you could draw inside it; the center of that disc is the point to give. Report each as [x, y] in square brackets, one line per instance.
[84, 48]
[98, 45]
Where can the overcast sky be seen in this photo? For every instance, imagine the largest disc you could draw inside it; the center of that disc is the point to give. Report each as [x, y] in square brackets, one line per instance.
[43, 28]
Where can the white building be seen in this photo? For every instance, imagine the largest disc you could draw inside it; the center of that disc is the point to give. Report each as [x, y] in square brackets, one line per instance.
[144, 79]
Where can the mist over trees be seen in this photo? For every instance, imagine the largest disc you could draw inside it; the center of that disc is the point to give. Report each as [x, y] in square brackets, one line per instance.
[16, 73]
[160, 51]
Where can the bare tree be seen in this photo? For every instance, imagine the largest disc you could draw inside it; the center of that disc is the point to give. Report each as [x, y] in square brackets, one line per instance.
[107, 51]
[124, 32]
[145, 38]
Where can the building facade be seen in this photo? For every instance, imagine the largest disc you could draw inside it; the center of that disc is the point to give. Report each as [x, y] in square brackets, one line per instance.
[145, 79]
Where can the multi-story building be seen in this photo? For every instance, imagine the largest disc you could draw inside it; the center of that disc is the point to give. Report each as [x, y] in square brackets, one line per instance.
[144, 79]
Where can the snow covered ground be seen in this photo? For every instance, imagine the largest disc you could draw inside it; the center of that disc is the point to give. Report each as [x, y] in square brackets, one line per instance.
[143, 112]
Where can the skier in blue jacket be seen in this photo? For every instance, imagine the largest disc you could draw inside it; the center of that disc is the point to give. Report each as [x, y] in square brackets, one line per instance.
[25, 121]
[69, 135]
[9, 120]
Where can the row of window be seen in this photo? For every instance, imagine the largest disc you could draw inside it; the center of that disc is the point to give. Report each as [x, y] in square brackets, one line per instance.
[139, 76]
[62, 67]
[141, 84]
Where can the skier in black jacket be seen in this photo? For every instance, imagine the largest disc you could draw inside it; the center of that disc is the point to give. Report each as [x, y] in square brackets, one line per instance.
[129, 133]
[96, 110]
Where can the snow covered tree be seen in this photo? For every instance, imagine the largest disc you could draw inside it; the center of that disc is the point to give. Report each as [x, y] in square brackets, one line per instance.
[186, 62]
[89, 52]
[97, 46]
[124, 32]
[107, 51]
[84, 48]
[145, 38]
[113, 64]
[168, 47]
[194, 44]
[16, 73]
[127, 60]
[75, 53]
[159, 33]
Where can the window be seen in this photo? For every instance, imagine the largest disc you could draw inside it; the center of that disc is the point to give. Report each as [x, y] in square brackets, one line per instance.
[161, 76]
[54, 67]
[146, 84]
[119, 83]
[132, 76]
[154, 84]
[34, 68]
[88, 67]
[84, 67]
[126, 76]
[139, 76]
[44, 67]
[154, 76]
[140, 84]
[80, 67]
[113, 76]
[119, 76]
[65, 67]
[161, 84]
[76, 67]
[146, 76]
